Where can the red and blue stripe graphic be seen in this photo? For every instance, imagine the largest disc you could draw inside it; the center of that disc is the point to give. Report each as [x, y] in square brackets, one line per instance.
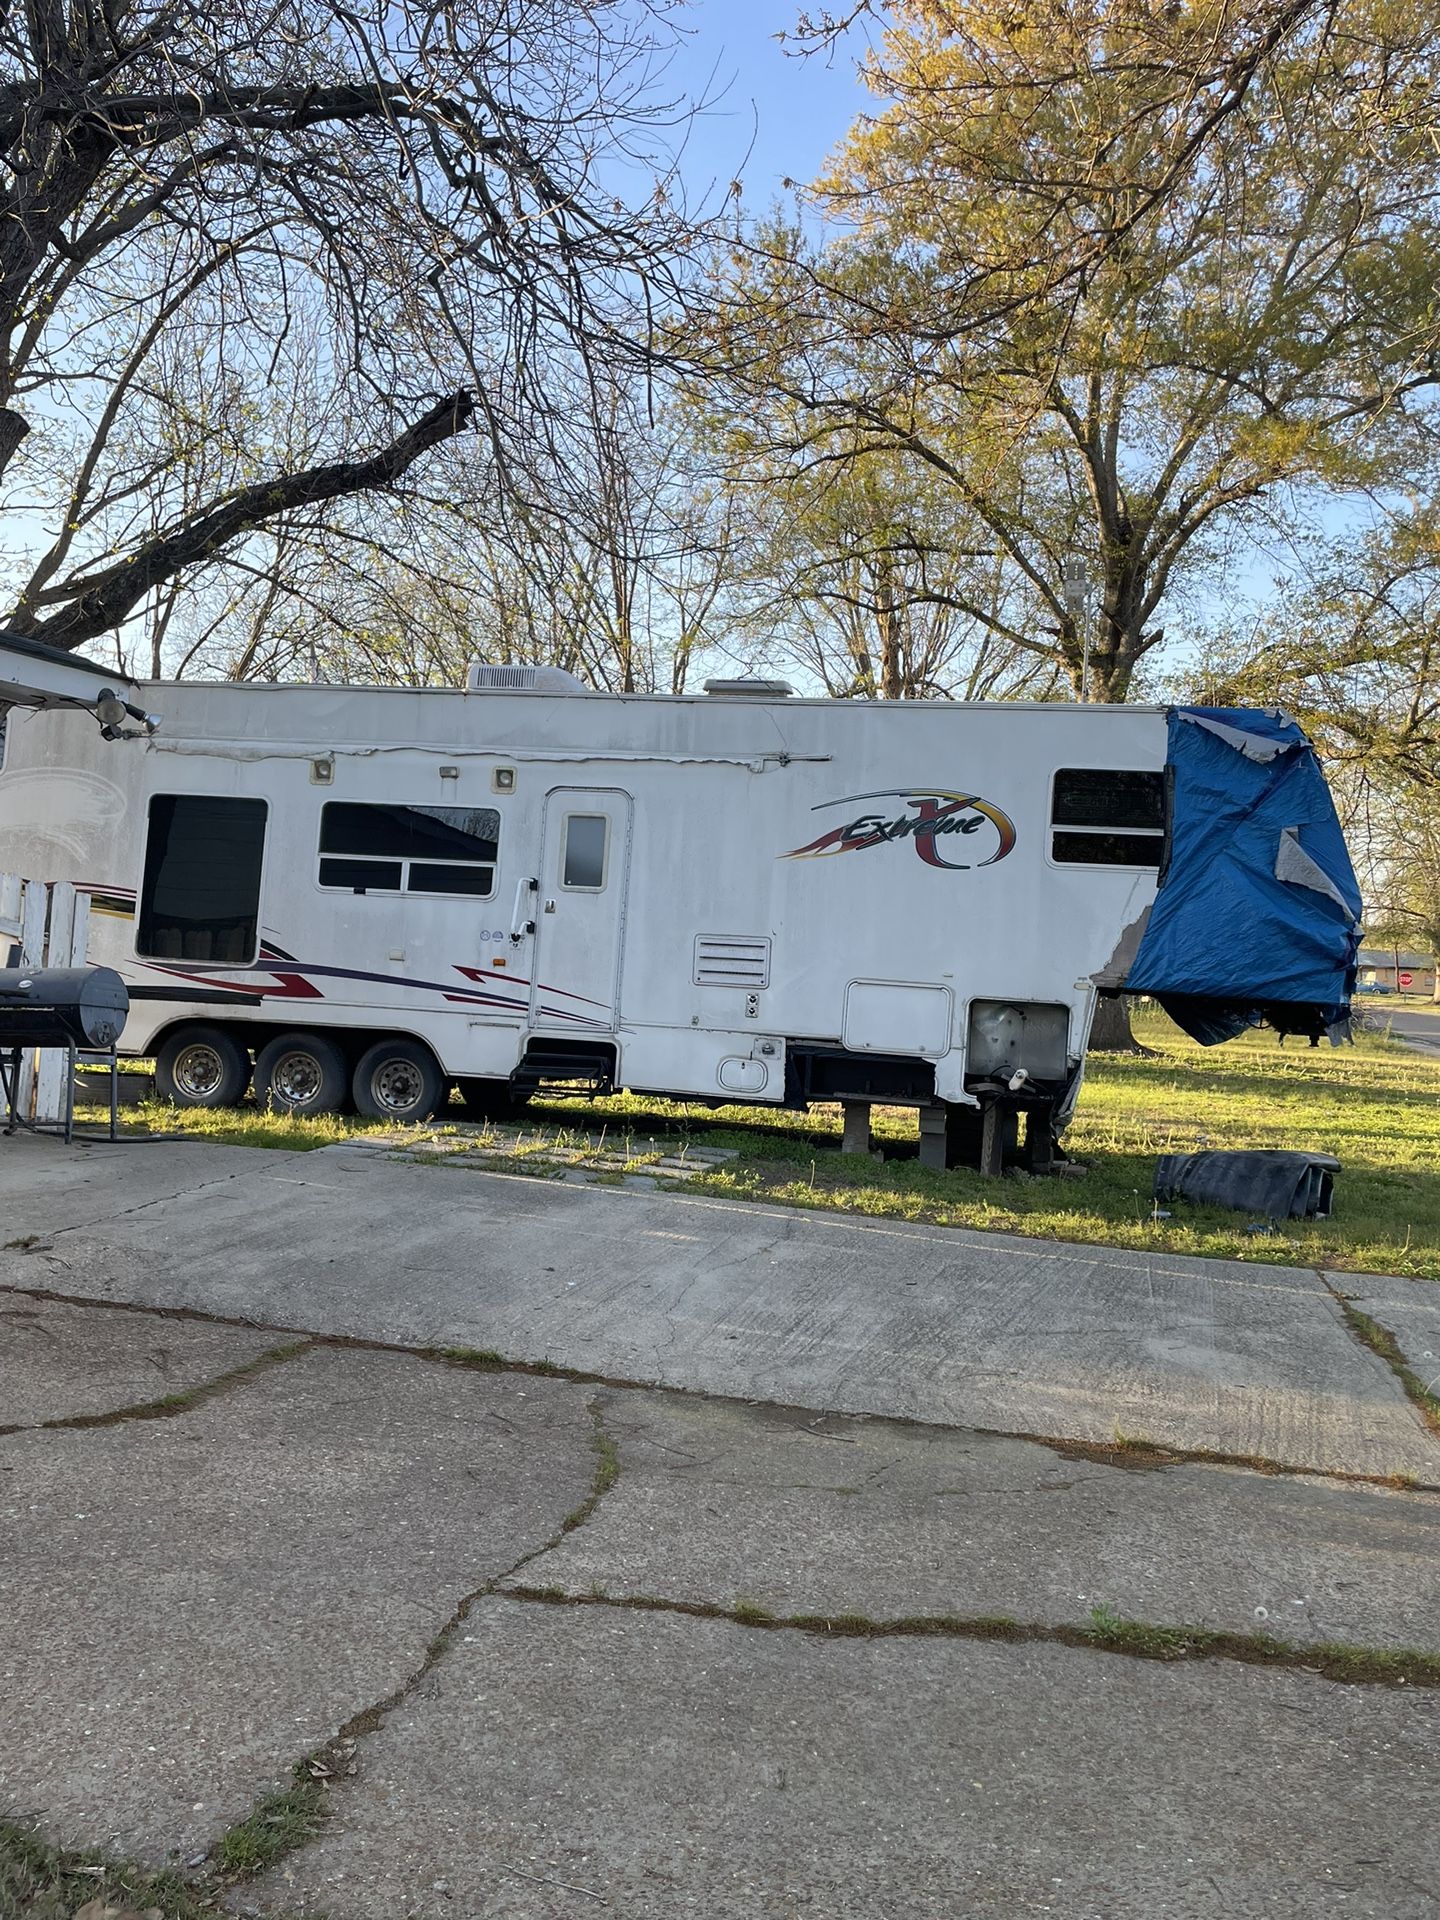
[295, 980]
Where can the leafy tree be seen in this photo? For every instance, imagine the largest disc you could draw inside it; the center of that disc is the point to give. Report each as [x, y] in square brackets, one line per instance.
[1123, 278]
[1353, 648]
[1403, 907]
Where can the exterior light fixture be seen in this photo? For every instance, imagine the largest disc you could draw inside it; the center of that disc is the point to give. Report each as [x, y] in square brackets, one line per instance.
[112, 712]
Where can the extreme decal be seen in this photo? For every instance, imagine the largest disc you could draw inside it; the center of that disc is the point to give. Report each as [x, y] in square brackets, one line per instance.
[935, 816]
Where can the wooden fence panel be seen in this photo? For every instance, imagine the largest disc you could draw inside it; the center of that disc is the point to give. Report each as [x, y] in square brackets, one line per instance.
[64, 947]
[52, 925]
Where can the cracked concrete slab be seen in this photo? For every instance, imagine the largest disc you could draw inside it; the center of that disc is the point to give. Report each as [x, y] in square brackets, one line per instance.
[841, 1313]
[671, 1766]
[719, 1504]
[187, 1606]
[58, 1362]
[47, 1187]
[1410, 1309]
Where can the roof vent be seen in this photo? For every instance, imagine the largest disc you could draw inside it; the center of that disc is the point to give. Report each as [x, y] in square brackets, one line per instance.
[480, 678]
[751, 689]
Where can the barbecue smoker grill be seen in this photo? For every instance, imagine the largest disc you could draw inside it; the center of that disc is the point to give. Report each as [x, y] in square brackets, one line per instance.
[69, 1007]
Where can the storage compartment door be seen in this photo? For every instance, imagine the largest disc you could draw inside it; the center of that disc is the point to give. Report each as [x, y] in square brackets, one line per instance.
[898, 1016]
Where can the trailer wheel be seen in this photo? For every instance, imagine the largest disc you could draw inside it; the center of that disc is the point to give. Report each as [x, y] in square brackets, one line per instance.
[202, 1067]
[399, 1080]
[302, 1073]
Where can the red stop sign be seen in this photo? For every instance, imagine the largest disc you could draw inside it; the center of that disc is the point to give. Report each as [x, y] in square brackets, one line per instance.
[1407, 979]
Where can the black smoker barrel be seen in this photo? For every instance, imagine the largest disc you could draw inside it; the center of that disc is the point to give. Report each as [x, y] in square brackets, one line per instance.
[82, 1007]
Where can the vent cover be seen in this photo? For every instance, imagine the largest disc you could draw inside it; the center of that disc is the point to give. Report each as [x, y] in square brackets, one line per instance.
[731, 960]
[480, 676]
[513, 677]
[751, 688]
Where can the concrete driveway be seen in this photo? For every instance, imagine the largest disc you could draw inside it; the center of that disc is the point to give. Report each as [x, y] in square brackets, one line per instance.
[822, 1589]
[829, 1312]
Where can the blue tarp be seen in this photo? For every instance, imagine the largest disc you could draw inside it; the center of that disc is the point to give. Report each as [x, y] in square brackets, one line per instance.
[1258, 913]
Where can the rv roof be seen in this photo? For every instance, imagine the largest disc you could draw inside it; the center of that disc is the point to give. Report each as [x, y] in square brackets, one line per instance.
[711, 700]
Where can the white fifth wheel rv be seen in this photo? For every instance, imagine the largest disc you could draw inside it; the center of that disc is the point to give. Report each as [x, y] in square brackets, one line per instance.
[361, 894]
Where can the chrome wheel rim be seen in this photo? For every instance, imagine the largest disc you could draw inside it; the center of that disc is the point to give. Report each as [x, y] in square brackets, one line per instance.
[398, 1086]
[198, 1071]
[297, 1079]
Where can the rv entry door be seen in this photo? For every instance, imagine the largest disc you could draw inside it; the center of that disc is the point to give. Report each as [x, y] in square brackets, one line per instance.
[580, 913]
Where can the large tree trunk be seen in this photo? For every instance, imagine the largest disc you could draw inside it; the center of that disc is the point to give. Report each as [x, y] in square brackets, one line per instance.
[1111, 1030]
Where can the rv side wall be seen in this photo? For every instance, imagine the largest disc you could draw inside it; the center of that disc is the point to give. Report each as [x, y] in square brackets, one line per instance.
[710, 885]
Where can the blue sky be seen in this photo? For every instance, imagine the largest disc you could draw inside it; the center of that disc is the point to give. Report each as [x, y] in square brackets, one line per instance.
[773, 113]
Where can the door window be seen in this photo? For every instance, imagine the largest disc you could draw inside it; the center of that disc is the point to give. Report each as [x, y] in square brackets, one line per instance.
[582, 858]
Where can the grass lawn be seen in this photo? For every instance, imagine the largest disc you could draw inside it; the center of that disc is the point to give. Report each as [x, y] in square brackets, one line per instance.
[1375, 1106]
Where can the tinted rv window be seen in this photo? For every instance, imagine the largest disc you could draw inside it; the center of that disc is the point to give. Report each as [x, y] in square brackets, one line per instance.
[201, 894]
[1108, 817]
[583, 863]
[368, 849]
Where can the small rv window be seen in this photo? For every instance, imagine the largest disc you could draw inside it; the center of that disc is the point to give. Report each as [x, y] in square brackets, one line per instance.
[1108, 817]
[583, 861]
[372, 849]
[200, 899]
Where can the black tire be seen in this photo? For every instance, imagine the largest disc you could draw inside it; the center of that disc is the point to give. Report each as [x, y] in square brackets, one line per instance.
[490, 1099]
[202, 1067]
[399, 1080]
[302, 1074]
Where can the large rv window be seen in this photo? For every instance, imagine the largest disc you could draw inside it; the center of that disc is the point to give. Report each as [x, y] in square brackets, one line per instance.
[583, 861]
[1108, 817]
[201, 894]
[368, 849]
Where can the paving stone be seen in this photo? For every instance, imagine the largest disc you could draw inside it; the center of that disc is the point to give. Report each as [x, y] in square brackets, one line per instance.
[723, 1504]
[59, 1361]
[188, 1606]
[676, 1766]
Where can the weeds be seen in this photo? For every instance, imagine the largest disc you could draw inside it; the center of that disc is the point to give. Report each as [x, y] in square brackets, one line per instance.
[1106, 1632]
[41, 1882]
[1380, 1340]
[278, 1824]
[170, 1404]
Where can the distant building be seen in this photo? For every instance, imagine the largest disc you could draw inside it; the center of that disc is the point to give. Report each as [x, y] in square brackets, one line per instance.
[1414, 973]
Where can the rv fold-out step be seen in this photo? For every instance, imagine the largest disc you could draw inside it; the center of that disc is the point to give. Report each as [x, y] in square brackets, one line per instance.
[589, 1065]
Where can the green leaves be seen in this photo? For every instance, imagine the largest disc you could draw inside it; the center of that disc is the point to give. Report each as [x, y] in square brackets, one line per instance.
[1119, 278]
